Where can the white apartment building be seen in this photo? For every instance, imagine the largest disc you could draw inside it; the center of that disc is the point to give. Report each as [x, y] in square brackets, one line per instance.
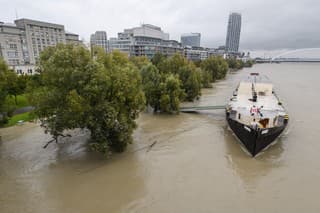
[145, 40]
[22, 42]
[12, 44]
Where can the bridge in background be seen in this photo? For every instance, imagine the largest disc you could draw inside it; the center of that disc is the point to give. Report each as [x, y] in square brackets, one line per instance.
[280, 60]
[283, 57]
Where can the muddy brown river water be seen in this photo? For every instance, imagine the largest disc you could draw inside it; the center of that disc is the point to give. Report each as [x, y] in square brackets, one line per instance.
[196, 164]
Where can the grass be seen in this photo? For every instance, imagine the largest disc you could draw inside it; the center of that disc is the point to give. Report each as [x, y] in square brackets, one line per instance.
[10, 104]
[21, 99]
[27, 116]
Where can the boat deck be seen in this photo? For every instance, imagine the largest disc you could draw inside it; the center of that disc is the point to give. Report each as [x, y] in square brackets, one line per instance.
[267, 103]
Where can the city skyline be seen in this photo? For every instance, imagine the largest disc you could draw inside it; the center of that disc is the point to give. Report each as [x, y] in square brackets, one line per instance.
[270, 25]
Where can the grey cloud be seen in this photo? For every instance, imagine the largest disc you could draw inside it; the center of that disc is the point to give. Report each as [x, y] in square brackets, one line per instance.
[269, 24]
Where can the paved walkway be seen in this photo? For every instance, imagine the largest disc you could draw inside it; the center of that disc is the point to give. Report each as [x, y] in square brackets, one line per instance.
[23, 110]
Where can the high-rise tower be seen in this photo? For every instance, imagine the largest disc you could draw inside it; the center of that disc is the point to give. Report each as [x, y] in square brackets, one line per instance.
[233, 34]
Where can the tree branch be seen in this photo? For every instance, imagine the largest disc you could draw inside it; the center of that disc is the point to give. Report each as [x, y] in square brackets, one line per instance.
[55, 138]
[150, 146]
[45, 146]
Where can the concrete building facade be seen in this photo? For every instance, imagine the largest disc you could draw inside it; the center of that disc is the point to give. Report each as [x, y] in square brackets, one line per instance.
[12, 44]
[145, 40]
[191, 39]
[22, 42]
[40, 35]
[72, 38]
[99, 39]
[233, 33]
[196, 53]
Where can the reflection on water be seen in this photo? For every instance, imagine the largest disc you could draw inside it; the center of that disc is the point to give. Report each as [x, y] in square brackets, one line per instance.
[195, 164]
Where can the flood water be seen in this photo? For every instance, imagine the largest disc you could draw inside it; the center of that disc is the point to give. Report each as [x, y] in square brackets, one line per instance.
[195, 165]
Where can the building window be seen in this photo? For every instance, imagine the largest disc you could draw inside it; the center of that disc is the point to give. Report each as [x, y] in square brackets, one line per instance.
[13, 46]
[12, 54]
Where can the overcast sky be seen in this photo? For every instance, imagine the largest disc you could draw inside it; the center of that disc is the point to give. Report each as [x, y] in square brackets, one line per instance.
[266, 24]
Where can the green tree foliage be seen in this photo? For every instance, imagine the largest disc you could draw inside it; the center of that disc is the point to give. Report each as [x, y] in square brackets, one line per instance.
[10, 85]
[3, 91]
[151, 80]
[139, 61]
[163, 92]
[206, 78]
[234, 63]
[3, 81]
[102, 94]
[16, 85]
[248, 63]
[33, 82]
[157, 59]
[186, 71]
[176, 62]
[197, 63]
[171, 94]
[191, 81]
[216, 66]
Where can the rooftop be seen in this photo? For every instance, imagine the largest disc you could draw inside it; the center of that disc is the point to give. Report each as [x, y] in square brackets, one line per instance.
[191, 34]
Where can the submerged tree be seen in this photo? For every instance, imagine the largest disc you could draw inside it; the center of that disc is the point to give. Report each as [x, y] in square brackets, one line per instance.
[216, 66]
[151, 80]
[190, 81]
[235, 64]
[171, 94]
[103, 95]
[206, 78]
[163, 92]
[186, 71]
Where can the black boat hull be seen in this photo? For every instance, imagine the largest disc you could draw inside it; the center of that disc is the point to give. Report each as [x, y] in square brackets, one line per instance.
[255, 140]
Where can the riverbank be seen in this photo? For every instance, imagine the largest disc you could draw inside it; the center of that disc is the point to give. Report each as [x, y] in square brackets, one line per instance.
[19, 119]
[20, 109]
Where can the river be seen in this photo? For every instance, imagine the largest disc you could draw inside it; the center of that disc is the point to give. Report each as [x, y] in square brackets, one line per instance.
[195, 164]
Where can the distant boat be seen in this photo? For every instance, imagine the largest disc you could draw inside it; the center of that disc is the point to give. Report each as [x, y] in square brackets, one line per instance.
[255, 113]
